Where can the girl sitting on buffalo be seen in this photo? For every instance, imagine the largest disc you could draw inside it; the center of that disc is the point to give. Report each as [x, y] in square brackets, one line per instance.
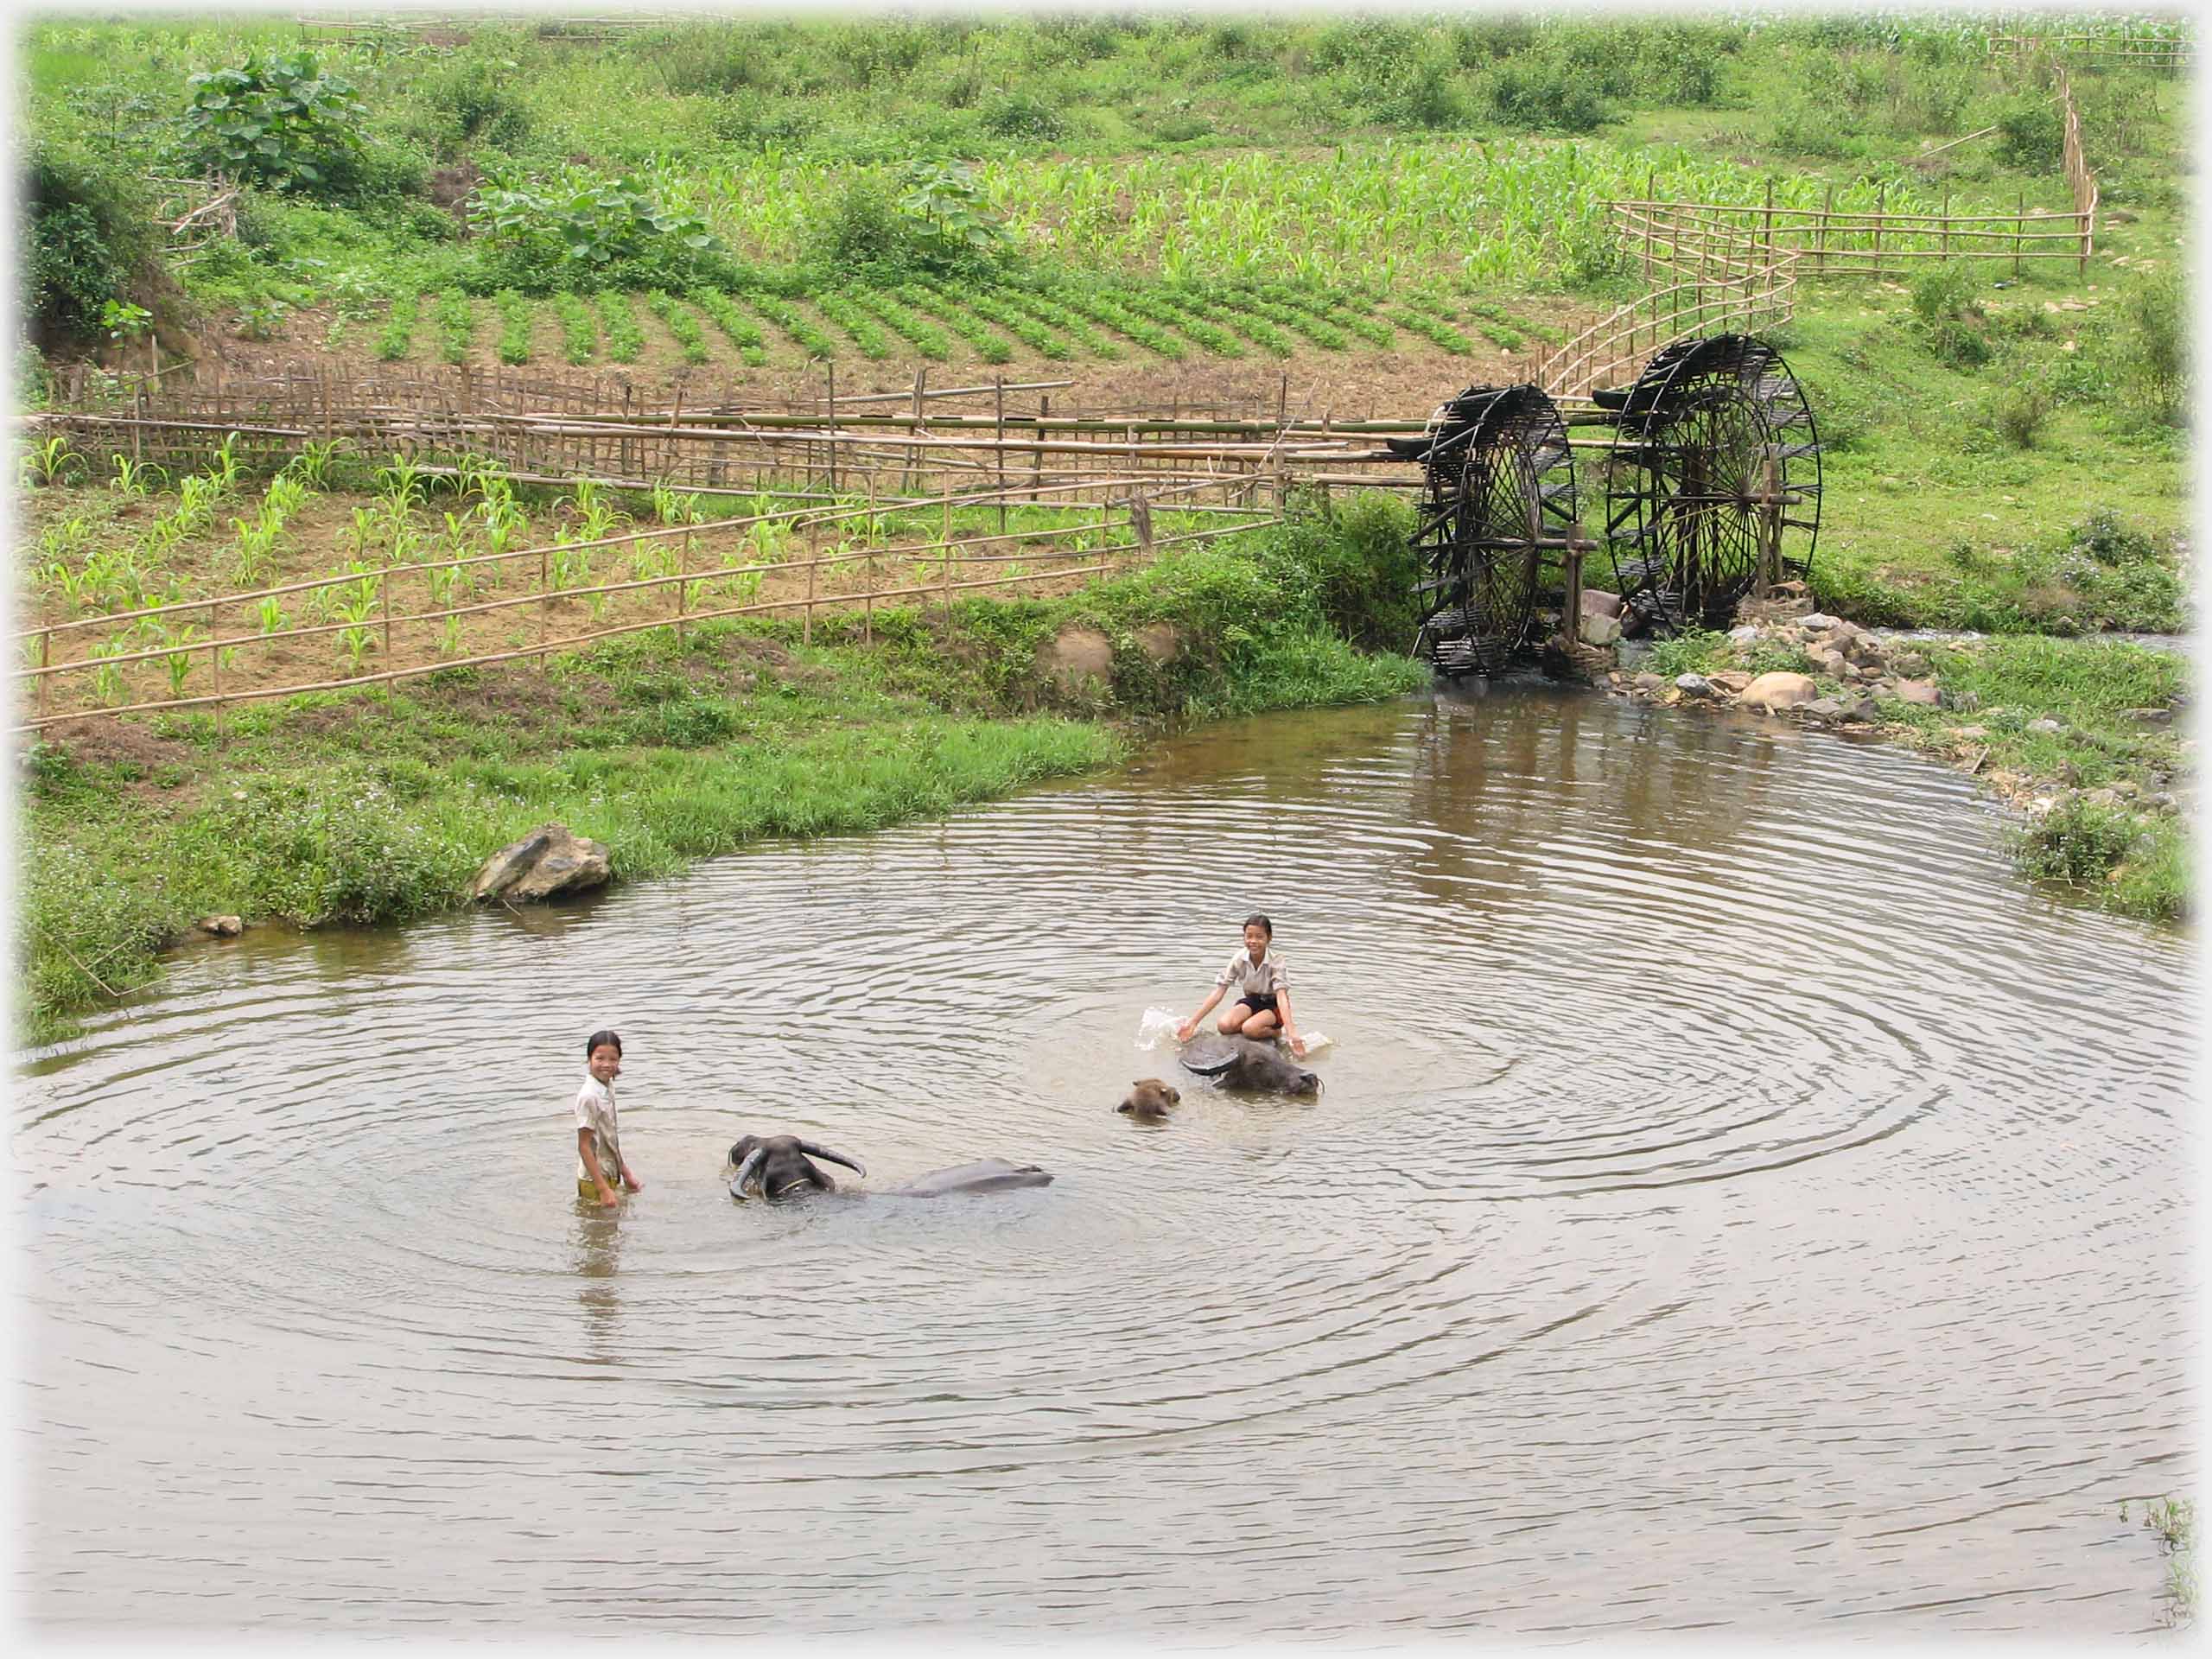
[1262, 979]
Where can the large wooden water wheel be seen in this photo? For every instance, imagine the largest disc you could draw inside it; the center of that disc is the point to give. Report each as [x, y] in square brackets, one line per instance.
[1499, 488]
[1714, 476]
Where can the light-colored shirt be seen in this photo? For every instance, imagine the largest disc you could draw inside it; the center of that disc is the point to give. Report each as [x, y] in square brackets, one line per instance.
[1267, 977]
[595, 1112]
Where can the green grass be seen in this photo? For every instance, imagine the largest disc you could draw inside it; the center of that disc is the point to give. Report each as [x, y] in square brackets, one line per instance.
[378, 806]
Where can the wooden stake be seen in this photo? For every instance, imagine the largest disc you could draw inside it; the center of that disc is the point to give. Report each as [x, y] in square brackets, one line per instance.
[544, 606]
[806, 621]
[45, 660]
[998, 388]
[2019, 230]
[831, 364]
[682, 570]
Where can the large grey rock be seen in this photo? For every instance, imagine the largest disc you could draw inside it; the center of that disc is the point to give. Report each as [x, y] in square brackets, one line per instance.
[1076, 656]
[1600, 631]
[1651, 683]
[2149, 716]
[1818, 619]
[1780, 689]
[1912, 666]
[1596, 602]
[1920, 692]
[2046, 727]
[221, 927]
[1694, 685]
[549, 860]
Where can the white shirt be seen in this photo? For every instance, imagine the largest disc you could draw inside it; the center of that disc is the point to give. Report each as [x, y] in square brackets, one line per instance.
[595, 1112]
[1265, 977]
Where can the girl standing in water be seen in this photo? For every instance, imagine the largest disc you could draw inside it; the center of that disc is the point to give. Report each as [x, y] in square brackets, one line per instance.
[1263, 980]
[598, 1145]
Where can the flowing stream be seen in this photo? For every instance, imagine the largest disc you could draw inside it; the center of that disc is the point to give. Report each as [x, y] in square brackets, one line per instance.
[1735, 1201]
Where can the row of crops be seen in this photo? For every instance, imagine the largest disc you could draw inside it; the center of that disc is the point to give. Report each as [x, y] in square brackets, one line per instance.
[937, 322]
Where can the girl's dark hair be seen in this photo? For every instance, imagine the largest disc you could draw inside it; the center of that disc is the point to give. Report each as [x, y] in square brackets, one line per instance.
[592, 1042]
[1261, 922]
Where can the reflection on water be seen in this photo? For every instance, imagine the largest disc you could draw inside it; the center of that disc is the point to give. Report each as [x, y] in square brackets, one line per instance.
[1734, 1201]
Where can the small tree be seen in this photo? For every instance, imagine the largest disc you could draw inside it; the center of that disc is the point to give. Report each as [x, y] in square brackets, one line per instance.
[275, 120]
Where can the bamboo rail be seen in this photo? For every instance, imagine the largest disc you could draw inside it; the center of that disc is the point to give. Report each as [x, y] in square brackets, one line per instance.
[947, 551]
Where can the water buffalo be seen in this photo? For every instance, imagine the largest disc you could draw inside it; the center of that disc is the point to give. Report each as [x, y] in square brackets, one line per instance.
[1240, 1063]
[1148, 1100]
[775, 1166]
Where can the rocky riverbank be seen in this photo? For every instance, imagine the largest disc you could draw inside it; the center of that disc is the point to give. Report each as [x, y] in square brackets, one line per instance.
[2084, 738]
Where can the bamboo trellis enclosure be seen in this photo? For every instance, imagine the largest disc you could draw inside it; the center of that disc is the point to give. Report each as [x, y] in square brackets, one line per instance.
[688, 579]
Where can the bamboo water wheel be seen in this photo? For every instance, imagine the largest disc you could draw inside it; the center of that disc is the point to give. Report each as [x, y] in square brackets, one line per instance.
[1714, 478]
[1499, 489]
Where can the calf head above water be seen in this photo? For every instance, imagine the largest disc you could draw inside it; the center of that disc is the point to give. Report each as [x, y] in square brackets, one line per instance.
[1148, 1098]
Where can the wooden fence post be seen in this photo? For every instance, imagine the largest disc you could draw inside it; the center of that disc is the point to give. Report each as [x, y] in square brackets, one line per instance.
[1827, 208]
[806, 623]
[544, 606]
[1881, 203]
[1571, 621]
[2019, 230]
[45, 661]
[384, 600]
[682, 573]
[998, 390]
[830, 365]
[1947, 224]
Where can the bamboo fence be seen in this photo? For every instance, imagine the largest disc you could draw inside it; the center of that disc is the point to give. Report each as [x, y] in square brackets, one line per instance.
[66, 681]
[2143, 51]
[1671, 237]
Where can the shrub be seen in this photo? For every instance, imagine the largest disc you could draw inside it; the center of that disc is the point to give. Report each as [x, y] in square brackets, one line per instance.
[1549, 95]
[2078, 843]
[581, 229]
[276, 121]
[2019, 412]
[1020, 116]
[89, 239]
[2155, 344]
[2032, 135]
[1948, 316]
[933, 220]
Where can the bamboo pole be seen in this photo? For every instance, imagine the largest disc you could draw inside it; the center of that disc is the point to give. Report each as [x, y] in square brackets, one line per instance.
[2021, 232]
[683, 571]
[806, 624]
[998, 387]
[544, 604]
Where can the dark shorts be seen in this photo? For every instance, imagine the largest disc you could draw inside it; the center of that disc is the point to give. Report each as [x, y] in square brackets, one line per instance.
[1258, 1004]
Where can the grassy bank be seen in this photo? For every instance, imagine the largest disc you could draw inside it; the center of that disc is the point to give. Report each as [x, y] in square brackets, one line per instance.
[379, 807]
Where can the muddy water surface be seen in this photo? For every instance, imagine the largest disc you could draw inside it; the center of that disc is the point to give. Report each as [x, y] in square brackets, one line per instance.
[1734, 1202]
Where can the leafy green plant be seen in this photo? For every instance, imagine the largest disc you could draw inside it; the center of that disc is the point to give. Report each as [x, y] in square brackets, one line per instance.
[580, 227]
[579, 333]
[312, 465]
[454, 318]
[514, 325]
[178, 662]
[741, 331]
[270, 614]
[256, 550]
[45, 463]
[398, 334]
[401, 485]
[224, 465]
[624, 340]
[260, 318]
[133, 478]
[273, 120]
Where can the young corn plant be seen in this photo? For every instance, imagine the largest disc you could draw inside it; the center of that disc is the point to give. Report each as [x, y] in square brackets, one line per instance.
[223, 465]
[270, 614]
[257, 548]
[195, 503]
[401, 485]
[108, 686]
[355, 603]
[133, 478]
[474, 474]
[178, 662]
[45, 463]
[363, 530]
[670, 508]
[311, 466]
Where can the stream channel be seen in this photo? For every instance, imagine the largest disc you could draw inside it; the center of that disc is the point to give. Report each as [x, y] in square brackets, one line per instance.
[1736, 1201]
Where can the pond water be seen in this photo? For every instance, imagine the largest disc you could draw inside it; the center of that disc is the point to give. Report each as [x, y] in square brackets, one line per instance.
[1734, 1201]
